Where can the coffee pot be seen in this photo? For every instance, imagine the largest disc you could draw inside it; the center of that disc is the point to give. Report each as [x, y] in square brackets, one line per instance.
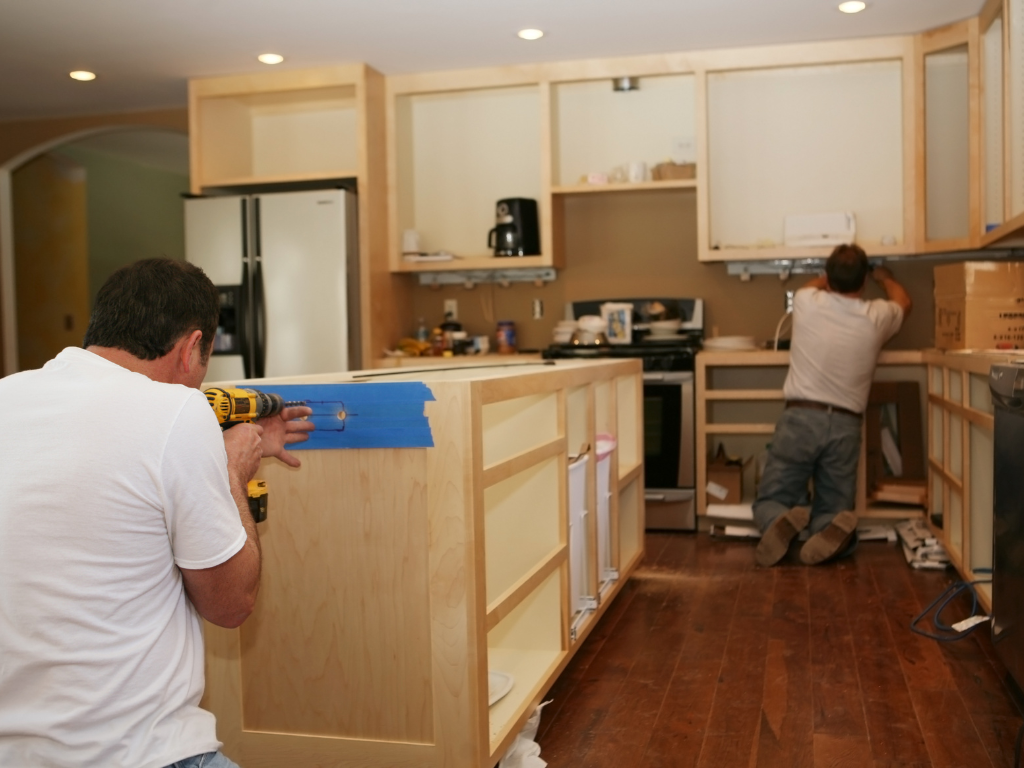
[516, 232]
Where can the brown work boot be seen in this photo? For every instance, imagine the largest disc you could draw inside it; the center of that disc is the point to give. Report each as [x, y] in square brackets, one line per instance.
[831, 541]
[775, 541]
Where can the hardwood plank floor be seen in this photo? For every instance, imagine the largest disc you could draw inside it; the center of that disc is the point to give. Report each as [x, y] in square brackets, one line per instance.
[706, 660]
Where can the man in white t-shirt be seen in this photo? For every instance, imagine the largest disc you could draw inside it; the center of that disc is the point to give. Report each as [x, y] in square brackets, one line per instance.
[123, 520]
[836, 339]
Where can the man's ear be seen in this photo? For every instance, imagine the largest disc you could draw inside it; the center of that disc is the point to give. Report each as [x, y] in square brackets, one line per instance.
[190, 353]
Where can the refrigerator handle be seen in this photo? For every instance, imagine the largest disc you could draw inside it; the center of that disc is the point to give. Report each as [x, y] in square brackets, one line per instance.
[244, 311]
[259, 320]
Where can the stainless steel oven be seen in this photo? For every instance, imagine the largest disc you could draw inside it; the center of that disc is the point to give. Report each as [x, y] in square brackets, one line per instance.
[669, 445]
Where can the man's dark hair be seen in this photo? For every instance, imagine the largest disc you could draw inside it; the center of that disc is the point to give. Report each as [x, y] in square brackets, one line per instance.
[847, 268]
[146, 307]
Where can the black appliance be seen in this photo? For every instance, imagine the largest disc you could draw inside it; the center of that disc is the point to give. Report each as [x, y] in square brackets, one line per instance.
[1007, 384]
[517, 232]
[669, 403]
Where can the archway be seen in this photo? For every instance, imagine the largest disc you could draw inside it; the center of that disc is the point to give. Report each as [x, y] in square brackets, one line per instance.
[110, 135]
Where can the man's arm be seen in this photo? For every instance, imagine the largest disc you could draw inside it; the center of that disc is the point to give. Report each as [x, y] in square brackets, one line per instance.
[225, 594]
[893, 290]
[820, 282]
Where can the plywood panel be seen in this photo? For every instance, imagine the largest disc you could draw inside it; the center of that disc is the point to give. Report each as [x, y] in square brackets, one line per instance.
[981, 482]
[346, 561]
[630, 522]
[513, 426]
[947, 148]
[521, 524]
[805, 140]
[307, 142]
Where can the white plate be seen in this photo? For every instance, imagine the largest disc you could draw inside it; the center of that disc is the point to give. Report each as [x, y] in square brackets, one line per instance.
[498, 684]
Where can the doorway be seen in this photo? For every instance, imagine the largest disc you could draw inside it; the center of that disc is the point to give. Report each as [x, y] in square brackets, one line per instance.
[79, 210]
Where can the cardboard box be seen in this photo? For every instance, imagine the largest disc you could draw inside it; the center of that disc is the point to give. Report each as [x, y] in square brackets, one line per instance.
[725, 479]
[979, 305]
[671, 171]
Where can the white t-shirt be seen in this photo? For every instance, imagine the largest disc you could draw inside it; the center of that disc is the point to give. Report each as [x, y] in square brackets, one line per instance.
[836, 340]
[107, 480]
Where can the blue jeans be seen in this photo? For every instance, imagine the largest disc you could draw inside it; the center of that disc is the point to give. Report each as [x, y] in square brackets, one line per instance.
[208, 760]
[810, 445]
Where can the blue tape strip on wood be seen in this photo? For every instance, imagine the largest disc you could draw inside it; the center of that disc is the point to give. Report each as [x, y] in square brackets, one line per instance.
[370, 415]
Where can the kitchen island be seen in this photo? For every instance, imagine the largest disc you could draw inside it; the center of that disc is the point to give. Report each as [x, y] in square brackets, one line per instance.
[396, 579]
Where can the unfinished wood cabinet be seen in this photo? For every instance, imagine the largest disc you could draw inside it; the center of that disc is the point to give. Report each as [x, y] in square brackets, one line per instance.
[739, 401]
[394, 580]
[961, 419]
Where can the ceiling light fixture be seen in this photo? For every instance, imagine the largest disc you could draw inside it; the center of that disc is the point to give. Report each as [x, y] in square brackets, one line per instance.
[852, 6]
[81, 74]
[530, 34]
[270, 58]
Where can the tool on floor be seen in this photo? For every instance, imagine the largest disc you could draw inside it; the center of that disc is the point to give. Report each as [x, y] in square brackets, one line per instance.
[238, 406]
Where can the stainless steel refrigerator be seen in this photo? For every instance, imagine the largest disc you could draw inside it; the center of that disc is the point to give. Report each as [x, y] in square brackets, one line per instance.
[286, 266]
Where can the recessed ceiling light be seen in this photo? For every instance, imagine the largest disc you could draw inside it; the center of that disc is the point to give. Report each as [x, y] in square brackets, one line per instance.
[270, 58]
[852, 6]
[530, 34]
[81, 74]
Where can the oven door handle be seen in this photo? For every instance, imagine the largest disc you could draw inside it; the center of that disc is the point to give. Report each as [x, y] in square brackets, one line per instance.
[654, 497]
[673, 377]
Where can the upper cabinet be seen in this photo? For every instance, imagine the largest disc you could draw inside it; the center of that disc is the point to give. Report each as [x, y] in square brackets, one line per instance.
[277, 127]
[621, 131]
[791, 141]
[455, 154]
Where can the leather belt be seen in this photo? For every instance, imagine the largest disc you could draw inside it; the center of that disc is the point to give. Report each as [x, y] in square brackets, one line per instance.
[821, 407]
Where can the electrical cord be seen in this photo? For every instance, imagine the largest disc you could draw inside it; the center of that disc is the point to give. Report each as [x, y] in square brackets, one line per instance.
[943, 600]
[778, 329]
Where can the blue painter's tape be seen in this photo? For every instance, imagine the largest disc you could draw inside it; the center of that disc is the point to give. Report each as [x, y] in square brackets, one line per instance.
[363, 415]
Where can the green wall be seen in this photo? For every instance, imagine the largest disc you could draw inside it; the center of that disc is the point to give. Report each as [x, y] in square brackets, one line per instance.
[134, 212]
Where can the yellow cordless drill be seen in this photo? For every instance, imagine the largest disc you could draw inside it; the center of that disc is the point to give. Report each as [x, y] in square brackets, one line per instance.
[237, 406]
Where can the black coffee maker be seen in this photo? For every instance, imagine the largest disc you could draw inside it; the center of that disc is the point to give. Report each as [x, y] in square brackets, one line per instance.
[517, 232]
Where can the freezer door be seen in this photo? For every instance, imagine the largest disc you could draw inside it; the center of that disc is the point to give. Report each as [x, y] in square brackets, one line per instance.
[299, 282]
[215, 237]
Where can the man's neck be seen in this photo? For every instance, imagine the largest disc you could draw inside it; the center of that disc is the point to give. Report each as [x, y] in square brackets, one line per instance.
[158, 370]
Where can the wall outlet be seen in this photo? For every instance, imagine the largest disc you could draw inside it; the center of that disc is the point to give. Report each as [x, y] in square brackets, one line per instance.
[451, 307]
[538, 309]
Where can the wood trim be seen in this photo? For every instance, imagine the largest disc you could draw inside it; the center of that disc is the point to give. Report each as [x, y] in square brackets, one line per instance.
[913, 128]
[283, 80]
[980, 418]
[546, 203]
[238, 181]
[646, 186]
[782, 252]
[740, 429]
[503, 470]
[702, 139]
[947, 477]
[949, 36]
[919, 199]
[630, 475]
[976, 158]
[701, 418]
[744, 394]
[990, 11]
[477, 600]
[195, 151]
[470, 263]
[512, 386]
[507, 602]
[1007, 228]
[965, 469]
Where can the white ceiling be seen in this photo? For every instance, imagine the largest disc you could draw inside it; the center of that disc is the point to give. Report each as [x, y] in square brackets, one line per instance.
[144, 51]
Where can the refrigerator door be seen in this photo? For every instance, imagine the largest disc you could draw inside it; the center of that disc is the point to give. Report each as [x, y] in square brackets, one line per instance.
[216, 240]
[299, 282]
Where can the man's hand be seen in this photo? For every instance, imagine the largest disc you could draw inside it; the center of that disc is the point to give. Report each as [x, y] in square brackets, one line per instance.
[284, 429]
[881, 274]
[242, 442]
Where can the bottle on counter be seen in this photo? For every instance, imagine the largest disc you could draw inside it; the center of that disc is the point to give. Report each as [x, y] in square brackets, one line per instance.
[422, 332]
[448, 328]
[506, 337]
[437, 342]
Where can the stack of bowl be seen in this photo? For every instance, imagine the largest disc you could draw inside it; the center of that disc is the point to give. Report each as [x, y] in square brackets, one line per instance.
[564, 331]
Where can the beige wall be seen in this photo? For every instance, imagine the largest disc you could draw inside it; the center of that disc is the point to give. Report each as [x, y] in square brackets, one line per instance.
[645, 244]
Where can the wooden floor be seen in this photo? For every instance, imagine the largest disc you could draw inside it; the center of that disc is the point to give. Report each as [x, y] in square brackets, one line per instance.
[705, 660]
